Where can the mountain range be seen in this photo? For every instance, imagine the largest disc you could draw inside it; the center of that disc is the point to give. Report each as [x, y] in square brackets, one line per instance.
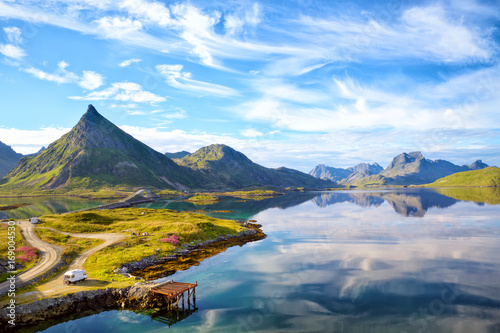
[223, 166]
[349, 174]
[405, 169]
[96, 153]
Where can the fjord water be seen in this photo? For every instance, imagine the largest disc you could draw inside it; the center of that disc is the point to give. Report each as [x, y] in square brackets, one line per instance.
[38, 206]
[346, 261]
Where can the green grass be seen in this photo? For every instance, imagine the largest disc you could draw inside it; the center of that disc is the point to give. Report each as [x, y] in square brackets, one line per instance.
[489, 177]
[203, 198]
[75, 245]
[191, 228]
[4, 246]
[253, 195]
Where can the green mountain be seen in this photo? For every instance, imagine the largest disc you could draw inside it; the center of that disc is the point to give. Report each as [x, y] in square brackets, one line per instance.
[96, 153]
[485, 177]
[414, 169]
[8, 159]
[225, 167]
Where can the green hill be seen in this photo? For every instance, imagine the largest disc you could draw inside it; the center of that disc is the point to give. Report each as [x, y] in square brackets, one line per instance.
[96, 153]
[225, 167]
[485, 177]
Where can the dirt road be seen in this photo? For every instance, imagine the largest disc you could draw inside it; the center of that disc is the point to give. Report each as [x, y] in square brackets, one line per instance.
[80, 260]
[51, 255]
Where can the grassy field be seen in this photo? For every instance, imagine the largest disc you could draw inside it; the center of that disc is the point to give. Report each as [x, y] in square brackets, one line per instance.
[203, 199]
[251, 195]
[22, 253]
[167, 231]
[485, 177]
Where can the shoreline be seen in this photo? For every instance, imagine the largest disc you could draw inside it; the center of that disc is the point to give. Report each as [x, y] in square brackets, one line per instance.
[136, 297]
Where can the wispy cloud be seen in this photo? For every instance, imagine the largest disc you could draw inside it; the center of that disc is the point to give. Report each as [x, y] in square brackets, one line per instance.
[129, 62]
[88, 80]
[12, 51]
[124, 92]
[13, 35]
[176, 78]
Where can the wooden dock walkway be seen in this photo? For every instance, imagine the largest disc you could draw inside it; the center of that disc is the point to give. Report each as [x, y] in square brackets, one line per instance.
[174, 292]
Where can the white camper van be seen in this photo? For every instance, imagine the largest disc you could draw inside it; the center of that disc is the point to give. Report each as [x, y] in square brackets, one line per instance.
[74, 276]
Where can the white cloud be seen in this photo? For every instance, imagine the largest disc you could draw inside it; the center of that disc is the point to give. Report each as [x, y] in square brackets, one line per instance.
[91, 80]
[182, 80]
[251, 133]
[129, 62]
[117, 27]
[236, 23]
[30, 141]
[433, 33]
[149, 11]
[13, 35]
[12, 51]
[125, 92]
[62, 77]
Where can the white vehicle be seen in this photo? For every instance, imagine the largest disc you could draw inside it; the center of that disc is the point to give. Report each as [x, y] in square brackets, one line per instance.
[34, 220]
[74, 276]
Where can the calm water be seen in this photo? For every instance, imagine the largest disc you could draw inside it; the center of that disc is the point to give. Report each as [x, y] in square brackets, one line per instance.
[350, 261]
[44, 205]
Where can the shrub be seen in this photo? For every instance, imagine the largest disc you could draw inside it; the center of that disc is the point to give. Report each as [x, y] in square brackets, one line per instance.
[172, 239]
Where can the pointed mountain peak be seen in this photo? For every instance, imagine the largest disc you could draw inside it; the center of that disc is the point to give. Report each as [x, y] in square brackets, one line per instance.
[92, 114]
[91, 110]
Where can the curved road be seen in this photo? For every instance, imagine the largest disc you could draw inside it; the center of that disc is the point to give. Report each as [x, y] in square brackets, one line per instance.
[80, 260]
[51, 255]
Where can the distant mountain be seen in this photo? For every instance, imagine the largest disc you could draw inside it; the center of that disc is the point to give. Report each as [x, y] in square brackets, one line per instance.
[413, 168]
[97, 153]
[326, 172]
[8, 159]
[225, 167]
[349, 174]
[489, 176]
[179, 154]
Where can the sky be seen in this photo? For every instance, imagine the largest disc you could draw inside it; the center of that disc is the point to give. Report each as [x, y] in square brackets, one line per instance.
[291, 83]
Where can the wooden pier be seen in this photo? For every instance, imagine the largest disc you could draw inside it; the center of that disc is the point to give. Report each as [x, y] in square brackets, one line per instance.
[174, 292]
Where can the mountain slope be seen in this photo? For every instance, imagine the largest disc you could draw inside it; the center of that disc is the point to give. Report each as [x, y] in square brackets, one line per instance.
[413, 168]
[8, 159]
[97, 153]
[489, 176]
[225, 167]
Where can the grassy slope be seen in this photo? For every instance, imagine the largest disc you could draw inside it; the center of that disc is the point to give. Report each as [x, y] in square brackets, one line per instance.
[20, 242]
[485, 177]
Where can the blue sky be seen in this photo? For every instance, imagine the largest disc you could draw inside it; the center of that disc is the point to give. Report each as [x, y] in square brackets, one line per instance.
[293, 83]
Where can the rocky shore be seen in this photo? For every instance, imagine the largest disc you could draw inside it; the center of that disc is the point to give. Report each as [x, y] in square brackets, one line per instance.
[83, 302]
[138, 297]
[252, 233]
